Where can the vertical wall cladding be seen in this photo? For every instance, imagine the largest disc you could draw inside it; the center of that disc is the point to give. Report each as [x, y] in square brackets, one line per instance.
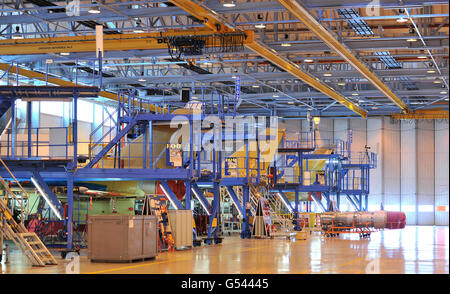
[84, 129]
[304, 124]
[425, 172]
[441, 185]
[325, 132]
[408, 170]
[359, 130]
[375, 140]
[49, 121]
[391, 164]
[413, 163]
[341, 127]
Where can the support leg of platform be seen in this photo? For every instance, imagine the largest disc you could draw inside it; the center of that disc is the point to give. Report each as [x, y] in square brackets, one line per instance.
[296, 220]
[246, 225]
[69, 211]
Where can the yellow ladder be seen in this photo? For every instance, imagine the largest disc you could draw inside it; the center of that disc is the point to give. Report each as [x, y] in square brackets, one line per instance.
[28, 242]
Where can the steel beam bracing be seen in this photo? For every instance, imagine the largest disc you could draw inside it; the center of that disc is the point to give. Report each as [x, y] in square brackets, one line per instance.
[116, 42]
[215, 22]
[60, 82]
[328, 37]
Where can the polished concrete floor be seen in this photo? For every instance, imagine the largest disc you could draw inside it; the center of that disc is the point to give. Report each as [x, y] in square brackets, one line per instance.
[415, 249]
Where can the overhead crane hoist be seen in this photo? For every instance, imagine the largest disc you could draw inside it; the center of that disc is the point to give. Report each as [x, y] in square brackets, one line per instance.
[191, 42]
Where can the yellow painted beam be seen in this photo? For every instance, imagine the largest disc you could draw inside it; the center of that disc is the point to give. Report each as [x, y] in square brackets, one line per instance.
[214, 21]
[295, 70]
[423, 114]
[113, 42]
[329, 38]
[60, 82]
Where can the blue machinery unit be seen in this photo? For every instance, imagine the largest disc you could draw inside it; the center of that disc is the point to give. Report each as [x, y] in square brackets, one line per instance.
[302, 163]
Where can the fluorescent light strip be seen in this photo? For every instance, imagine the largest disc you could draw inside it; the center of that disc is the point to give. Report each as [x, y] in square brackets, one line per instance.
[282, 199]
[168, 196]
[46, 199]
[201, 202]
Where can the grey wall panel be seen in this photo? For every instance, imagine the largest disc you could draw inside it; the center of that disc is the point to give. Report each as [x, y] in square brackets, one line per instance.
[341, 127]
[359, 130]
[425, 172]
[48, 121]
[391, 164]
[412, 173]
[441, 172]
[374, 139]
[325, 130]
[304, 125]
[408, 171]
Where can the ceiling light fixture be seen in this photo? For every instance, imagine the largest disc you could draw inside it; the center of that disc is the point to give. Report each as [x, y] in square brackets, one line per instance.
[260, 26]
[402, 19]
[94, 9]
[65, 53]
[328, 74]
[229, 4]
[443, 92]
[411, 40]
[430, 71]
[142, 80]
[285, 45]
[309, 60]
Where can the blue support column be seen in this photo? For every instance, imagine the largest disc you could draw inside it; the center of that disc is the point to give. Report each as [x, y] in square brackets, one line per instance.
[246, 225]
[144, 146]
[191, 147]
[29, 126]
[69, 217]
[214, 219]
[187, 196]
[150, 139]
[296, 219]
[327, 198]
[13, 128]
[75, 130]
[366, 200]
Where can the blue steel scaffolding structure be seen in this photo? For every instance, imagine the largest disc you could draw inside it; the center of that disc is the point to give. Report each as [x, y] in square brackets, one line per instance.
[343, 172]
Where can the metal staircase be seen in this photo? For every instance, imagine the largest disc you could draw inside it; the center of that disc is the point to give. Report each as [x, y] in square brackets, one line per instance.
[29, 243]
